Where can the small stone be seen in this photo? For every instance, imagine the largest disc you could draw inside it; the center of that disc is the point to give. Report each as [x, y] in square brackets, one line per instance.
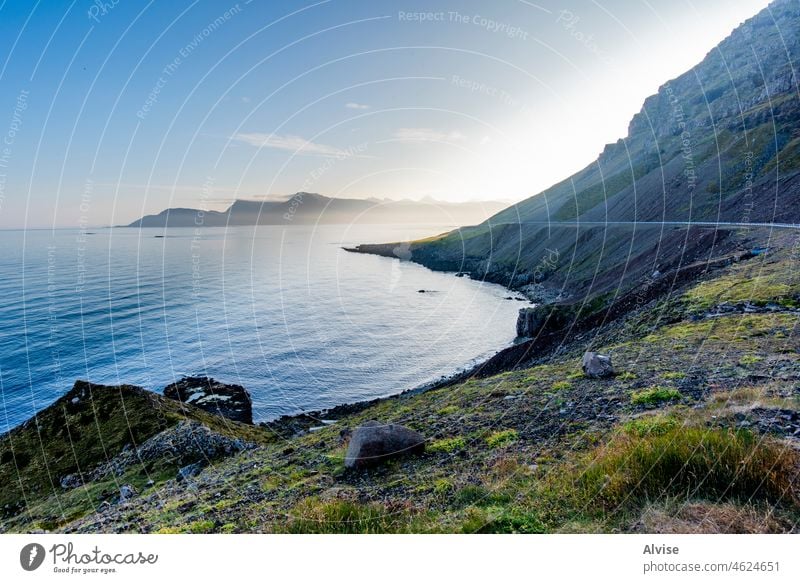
[126, 492]
[71, 481]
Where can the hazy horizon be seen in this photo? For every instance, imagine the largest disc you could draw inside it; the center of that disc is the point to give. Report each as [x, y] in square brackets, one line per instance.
[183, 105]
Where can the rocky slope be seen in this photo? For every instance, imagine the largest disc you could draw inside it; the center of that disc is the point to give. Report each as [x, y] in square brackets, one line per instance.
[718, 144]
[97, 445]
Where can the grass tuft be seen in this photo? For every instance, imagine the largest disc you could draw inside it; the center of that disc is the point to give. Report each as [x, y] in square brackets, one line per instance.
[501, 438]
[655, 395]
[447, 445]
[313, 516]
[690, 462]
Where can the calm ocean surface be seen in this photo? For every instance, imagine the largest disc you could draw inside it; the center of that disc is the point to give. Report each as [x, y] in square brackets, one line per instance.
[281, 310]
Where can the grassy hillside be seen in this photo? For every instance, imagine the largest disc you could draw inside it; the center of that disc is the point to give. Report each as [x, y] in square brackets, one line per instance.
[89, 426]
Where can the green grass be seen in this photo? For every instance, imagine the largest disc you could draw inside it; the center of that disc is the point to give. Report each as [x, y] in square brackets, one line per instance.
[501, 438]
[755, 281]
[690, 462]
[561, 385]
[655, 395]
[200, 527]
[651, 425]
[789, 158]
[447, 445]
[313, 516]
[509, 521]
[448, 410]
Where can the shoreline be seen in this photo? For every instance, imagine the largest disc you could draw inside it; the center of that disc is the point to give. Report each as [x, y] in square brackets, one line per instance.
[290, 424]
[522, 351]
[519, 353]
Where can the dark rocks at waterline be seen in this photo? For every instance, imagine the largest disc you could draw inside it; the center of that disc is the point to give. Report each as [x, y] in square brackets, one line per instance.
[597, 366]
[231, 401]
[374, 443]
[532, 322]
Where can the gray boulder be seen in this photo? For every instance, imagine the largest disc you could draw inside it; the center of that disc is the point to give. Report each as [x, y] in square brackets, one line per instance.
[231, 401]
[597, 366]
[374, 443]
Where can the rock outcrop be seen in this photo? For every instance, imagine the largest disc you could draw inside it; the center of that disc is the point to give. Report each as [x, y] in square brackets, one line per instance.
[543, 319]
[187, 442]
[374, 443]
[231, 401]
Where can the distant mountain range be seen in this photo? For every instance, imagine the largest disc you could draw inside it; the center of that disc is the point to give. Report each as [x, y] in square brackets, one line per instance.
[720, 143]
[306, 208]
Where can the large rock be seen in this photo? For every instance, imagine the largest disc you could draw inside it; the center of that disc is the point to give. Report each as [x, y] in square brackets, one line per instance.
[597, 366]
[231, 401]
[374, 443]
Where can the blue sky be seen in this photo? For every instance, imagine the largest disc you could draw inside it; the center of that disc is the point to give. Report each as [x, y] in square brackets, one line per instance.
[114, 109]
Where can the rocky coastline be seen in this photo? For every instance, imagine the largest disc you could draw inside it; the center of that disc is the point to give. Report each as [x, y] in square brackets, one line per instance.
[477, 452]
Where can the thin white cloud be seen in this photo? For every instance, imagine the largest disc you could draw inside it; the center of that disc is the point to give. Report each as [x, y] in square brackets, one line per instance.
[427, 135]
[290, 144]
[354, 105]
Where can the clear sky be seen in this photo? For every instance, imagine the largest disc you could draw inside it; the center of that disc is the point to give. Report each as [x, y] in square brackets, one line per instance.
[113, 109]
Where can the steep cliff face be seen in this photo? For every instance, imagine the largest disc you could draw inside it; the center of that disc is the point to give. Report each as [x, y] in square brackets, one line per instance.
[721, 143]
